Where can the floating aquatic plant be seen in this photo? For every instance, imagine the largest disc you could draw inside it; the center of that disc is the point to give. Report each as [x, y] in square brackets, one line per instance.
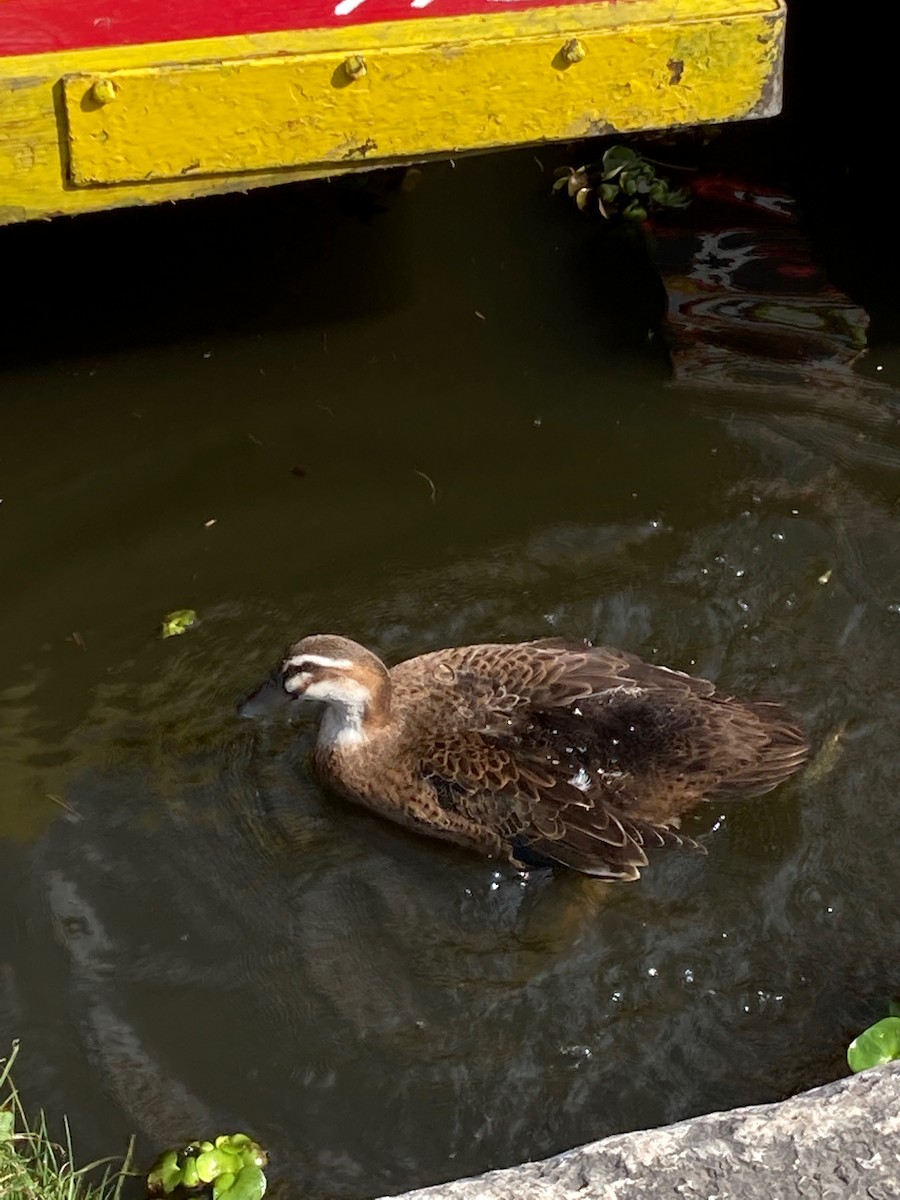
[178, 622]
[878, 1044]
[623, 185]
[232, 1164]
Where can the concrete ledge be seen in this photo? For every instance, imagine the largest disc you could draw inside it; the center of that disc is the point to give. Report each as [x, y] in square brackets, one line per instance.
[837, 1142]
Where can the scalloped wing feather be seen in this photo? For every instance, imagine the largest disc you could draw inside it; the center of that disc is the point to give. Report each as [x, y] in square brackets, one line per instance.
[589, 756]
[529, 803]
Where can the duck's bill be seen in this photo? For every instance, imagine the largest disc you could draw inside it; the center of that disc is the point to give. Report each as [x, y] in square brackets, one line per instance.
[270, 697]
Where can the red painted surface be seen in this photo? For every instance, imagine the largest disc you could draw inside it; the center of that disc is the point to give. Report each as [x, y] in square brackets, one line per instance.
[36, 26]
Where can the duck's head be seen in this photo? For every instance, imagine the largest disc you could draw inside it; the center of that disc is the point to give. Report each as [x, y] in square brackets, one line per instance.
[349, 679]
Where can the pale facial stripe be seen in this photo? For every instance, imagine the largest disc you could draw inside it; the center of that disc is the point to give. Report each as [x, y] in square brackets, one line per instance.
[319, 660]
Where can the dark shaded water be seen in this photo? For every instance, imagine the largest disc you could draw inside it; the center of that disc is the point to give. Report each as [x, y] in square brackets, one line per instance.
[432, 422]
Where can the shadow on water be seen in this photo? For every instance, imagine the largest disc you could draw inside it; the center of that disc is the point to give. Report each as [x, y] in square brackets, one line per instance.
[284, 258]
[248, 415]
[317, 255]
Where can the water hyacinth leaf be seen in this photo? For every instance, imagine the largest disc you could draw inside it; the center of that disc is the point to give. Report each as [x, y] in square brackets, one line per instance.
[582, 198]
[165, 1174]
[250, 1184]
[253, 1155]
[878, 1044]
[223, 1183]
[577, 180]
[190, 1176]
[245, 1150]
[178, 622]
[165, 1162]
[171, 1181]
[216, 1162]
[616, 158]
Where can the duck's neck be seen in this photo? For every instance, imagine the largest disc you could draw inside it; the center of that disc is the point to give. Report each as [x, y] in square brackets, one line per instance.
[350, 722]
[343, 727]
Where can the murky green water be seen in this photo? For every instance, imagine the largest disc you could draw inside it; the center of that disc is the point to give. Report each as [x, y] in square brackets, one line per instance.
[429, 424]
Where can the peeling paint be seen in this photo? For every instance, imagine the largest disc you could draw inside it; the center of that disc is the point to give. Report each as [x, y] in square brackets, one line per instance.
[26, 81]
[361, 151]
[770, 100]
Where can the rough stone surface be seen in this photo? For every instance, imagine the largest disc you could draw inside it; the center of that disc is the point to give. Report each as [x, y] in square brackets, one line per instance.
[838, 1142]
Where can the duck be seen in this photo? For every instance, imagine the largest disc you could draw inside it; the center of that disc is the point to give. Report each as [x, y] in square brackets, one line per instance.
[547, 753]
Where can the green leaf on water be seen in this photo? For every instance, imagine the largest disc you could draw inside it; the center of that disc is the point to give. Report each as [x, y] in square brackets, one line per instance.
[178, 621]
[233, 1141]
[165, 1174]
[617, 157]
[216, 1162]
[249, 1184]
[880, 1043]
[222, 1183]
[190, 1176]
[232, 1165]
[634, 211]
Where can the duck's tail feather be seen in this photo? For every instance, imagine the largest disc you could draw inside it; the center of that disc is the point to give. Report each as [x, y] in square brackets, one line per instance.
[783, 750]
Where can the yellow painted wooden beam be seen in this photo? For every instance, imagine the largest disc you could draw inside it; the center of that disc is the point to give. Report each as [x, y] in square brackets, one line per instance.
[92, 129]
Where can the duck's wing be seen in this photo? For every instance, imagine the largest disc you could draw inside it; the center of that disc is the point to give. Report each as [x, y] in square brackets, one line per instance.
[588, 756]
[521, 799]
[617, 852]
[549, 674]
[677, 738]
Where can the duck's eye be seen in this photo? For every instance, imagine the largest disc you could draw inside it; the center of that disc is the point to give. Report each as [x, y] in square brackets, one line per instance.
[305, 668]
[295, 676]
